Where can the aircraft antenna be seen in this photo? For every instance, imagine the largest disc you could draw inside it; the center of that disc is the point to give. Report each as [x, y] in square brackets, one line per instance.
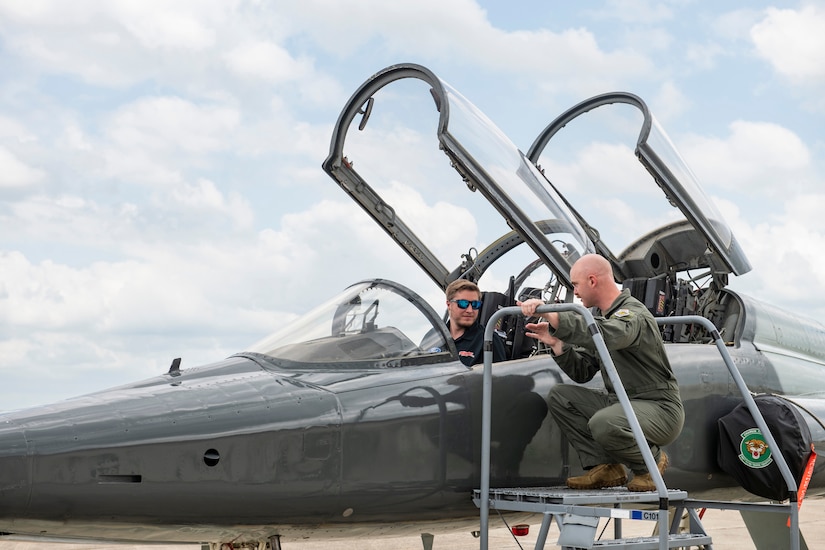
[174, 368]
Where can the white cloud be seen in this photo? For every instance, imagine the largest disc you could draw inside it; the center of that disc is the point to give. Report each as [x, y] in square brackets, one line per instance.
[755, 157]
[670, 102]
[704, 56]
[442, 226]
[607, 185]
[266, 60]
[460, 33]
[782, 252]
[781, 246]
[181, 215]
[203, 199]
[233, 289]
[75, 138]
[16, 173]
[173, 124]
[122, 320]
[597, 168]
[159, 140]
[49, 295]
[120, 43]
[735, 25]
[635, 11]
[123, 42]
[806, 209]
[792, 41]
[68, 220]
[341, 28]
[46, 12]
[183, 25]
[14, 129]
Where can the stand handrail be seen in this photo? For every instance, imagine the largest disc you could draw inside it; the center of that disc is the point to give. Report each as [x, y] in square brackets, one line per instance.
[784, 469]
[621, 394]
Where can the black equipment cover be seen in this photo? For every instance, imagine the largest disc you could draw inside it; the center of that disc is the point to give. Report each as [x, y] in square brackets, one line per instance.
[744, 454]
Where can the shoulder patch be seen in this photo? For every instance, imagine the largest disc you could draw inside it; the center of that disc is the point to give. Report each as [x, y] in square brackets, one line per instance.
[623, 313]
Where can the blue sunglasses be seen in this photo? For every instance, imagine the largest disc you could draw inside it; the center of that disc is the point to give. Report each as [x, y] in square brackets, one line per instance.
[462, 304]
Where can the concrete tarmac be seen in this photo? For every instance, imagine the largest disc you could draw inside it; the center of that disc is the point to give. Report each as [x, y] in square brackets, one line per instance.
[726, 527]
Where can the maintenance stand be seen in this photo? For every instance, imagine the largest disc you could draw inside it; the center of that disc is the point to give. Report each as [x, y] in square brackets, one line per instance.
[577, 513]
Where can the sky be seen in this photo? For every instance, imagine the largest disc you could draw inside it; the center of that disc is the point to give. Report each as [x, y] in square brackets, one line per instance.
[161, 190]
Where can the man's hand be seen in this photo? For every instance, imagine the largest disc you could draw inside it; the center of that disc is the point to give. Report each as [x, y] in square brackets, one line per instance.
[528, 308]
[541, 332]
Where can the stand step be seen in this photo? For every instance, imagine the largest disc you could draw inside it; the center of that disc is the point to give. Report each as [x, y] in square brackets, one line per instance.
[502, 498]
[687, 540]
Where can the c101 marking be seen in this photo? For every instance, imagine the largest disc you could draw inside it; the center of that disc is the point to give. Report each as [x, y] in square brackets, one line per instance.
[648, 515]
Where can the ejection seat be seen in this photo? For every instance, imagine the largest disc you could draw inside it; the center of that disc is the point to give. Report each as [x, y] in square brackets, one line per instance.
[510, 327]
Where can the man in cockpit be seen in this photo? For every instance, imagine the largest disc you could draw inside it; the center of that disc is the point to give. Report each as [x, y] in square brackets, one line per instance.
[463, 306]
[520, 410]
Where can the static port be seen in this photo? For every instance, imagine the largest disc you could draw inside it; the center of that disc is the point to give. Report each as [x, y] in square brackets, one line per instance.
[211, 457]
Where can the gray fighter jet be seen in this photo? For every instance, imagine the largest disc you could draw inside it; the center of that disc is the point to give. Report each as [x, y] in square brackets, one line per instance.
[349, 422]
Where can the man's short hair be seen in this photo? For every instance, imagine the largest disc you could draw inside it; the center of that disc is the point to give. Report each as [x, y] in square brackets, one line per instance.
[460, 285]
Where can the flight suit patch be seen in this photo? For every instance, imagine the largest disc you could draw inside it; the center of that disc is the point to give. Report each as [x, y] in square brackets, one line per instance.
[623, 314]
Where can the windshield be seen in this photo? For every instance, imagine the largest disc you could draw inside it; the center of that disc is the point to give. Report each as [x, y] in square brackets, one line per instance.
[370, 324]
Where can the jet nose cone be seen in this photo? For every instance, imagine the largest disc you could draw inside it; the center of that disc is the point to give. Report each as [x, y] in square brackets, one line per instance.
[14, 469]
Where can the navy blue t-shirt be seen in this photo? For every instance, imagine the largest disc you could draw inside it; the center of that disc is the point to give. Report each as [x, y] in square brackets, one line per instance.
[470, 346]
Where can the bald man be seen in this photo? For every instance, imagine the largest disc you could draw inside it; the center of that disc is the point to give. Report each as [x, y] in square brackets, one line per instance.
[593, 420]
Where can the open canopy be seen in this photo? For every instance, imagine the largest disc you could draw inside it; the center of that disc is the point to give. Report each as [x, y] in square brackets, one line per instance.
[698, 238]
[541, 207]
[486, 160]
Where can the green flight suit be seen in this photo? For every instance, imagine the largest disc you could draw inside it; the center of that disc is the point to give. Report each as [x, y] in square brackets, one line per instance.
[593, 420]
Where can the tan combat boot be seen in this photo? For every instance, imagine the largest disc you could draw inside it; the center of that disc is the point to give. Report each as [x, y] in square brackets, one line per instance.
[603, 475]
[643, 482]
